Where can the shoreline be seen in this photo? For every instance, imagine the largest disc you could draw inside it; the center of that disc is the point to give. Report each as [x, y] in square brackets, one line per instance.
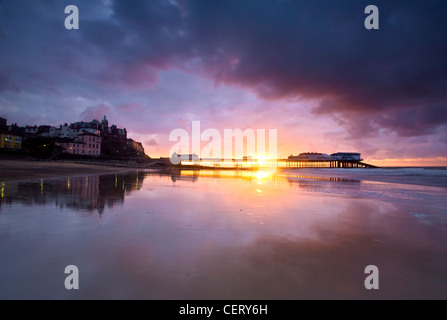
[12, 170]
[22, 170]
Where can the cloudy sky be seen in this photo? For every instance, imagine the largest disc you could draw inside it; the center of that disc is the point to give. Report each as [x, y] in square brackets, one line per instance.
[307, 68]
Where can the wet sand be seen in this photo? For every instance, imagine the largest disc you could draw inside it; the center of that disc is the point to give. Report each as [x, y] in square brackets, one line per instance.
[240, 235]
[18, 170]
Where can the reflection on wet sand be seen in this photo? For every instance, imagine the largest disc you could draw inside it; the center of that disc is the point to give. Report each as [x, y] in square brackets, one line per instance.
[329, 266]
[90, 193]
[332, 265]
[220, 235]
[95, 192]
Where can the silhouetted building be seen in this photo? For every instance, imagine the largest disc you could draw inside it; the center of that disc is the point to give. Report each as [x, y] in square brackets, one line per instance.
[3, 123]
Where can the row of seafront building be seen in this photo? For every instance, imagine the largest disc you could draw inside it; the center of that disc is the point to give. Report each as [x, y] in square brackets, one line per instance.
[92, 138]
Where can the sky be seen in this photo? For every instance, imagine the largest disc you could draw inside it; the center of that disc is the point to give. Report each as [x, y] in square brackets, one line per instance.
[309, 69]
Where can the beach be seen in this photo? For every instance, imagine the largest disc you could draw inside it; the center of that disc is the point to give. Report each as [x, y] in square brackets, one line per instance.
[305, 234]
[16, 170]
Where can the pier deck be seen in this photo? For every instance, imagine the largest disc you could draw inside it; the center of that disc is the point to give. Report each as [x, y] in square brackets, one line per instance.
[286, 163]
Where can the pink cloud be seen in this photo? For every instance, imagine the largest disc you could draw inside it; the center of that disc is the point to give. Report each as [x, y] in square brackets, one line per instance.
[130, 107]
[94, 112]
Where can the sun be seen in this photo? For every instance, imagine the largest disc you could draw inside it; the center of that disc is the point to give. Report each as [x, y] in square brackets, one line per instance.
[263, 161]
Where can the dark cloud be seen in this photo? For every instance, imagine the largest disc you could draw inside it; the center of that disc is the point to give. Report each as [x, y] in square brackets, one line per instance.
[6, 83]
[313, 49]
[415, 121]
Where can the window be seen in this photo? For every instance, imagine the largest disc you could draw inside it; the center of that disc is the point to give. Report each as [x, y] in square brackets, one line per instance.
[74, 151]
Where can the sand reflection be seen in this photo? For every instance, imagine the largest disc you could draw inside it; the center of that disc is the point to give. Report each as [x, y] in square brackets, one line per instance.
[219, 236]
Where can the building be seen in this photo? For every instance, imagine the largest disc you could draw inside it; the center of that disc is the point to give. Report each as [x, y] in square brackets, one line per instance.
[104, 124]
[43, 131]
[2, 123]
[10, 141]
[316, 156]
[116, 135]
[137, 146]
[177, 158]
[311, 156]
[31, 129]
[90, 130]
[86, 144]
[54, 132]
[84, 138]
[66, 132]
[94, 124]
[114, 141]
[346, 156]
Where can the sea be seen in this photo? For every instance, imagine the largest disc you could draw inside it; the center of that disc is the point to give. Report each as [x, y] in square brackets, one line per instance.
[229, 234]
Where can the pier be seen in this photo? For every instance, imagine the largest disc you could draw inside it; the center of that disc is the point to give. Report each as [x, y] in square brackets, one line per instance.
[271, 163]
[287, 163]
[303, 160]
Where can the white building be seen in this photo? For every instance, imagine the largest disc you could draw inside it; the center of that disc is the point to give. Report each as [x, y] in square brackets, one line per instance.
[311, 156]
[89, 130]
[54, 132]
[347, 156]
[67, 132]
[31, 130]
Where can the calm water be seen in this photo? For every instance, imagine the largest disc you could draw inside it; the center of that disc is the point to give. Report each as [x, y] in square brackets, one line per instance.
[227, 235]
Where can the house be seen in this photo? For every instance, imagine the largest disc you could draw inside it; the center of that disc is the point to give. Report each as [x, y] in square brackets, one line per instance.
[86, 143]
[137, 146]
[10, 141]
[31, 129]
[54, 132]
[90, 130]
[66, 132]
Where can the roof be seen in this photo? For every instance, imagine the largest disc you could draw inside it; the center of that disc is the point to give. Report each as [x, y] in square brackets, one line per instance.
[347, 153]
